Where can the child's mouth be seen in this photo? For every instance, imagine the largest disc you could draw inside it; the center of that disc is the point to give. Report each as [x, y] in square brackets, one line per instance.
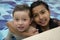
[43, 21]
[20, 28]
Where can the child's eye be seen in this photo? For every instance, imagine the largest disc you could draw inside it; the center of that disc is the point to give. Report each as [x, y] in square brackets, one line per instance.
[35, 15]
[24, 19]
[42, 12]
[16, 19]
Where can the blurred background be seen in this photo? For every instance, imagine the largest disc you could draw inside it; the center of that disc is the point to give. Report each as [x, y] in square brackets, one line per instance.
[7, 6]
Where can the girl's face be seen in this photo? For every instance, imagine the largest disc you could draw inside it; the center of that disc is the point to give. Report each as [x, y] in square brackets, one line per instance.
[41, 15]
[21, 20]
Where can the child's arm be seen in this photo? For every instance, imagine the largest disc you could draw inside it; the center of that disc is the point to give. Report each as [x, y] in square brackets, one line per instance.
[31, 31]
[11, 26]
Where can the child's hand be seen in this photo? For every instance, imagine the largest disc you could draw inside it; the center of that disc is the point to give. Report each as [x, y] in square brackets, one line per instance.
[31, 31]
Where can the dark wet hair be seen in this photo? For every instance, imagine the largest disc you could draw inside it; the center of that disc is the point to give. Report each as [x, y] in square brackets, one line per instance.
[22, 7]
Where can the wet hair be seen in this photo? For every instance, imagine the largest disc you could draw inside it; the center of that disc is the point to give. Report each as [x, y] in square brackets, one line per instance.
[37, 3]
[22, 7]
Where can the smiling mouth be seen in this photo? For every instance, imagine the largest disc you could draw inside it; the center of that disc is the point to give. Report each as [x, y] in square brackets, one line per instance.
[43, 21]
[21, 28]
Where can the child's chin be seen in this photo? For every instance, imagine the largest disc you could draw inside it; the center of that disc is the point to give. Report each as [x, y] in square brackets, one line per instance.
[21, 30]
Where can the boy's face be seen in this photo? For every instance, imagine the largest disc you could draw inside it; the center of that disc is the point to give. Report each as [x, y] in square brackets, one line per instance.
[41, 15]
[21, 20]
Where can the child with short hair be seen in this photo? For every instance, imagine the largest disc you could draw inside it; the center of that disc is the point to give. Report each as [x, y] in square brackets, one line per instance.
[22, 24]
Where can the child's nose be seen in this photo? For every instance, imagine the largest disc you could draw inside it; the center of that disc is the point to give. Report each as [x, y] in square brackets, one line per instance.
[20, 22]
[40, 16]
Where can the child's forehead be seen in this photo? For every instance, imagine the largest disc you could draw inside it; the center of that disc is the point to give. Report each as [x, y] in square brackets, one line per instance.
[21, 14]
[22, 11]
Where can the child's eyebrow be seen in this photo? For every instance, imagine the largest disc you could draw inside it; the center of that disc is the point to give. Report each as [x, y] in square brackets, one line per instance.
[16, 17]
[42, 10]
